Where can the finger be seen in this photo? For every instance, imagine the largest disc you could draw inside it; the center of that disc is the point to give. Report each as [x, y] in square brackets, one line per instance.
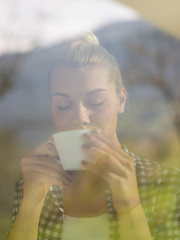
[51, 141]
[41, 178]
[51, 138]
[44, 149]
[106, 162]
[46, 162]
[42, 165]
[99, 140]
[100, 170]
[44, 170]
[96, 143]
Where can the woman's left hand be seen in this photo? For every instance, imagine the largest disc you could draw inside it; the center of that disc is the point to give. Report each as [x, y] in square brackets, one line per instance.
[115, 166]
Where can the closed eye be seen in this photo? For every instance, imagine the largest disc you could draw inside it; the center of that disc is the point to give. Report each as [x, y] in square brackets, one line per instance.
[96, 99]
[64, 107]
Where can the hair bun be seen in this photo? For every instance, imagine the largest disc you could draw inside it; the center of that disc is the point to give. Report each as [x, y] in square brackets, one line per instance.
[86, 37]
[91, 37]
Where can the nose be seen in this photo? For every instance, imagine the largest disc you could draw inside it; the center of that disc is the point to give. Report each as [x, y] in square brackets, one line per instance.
[81, 117]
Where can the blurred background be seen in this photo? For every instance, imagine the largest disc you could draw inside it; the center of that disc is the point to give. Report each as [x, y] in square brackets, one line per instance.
[149, 59]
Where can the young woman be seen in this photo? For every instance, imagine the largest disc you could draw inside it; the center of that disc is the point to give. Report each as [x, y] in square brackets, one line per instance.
[119, 196]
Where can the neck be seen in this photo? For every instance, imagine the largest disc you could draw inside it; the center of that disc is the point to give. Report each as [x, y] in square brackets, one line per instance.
[85, 182]
[85, 195]
[115, 141]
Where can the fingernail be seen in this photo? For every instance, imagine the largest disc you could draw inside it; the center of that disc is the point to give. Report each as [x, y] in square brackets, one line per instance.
[51, 142]
[86, 135]
[96, 131]
[84, 163]
[85, 146]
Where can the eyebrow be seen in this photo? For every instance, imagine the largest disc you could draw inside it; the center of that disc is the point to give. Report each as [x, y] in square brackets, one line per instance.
[60, 94]
[89, 93]
[96, 90]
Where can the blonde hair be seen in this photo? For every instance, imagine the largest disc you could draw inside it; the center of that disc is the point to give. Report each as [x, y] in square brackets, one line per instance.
[85, 50]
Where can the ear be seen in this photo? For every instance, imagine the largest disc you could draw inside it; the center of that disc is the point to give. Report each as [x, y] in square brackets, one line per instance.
[122, 100]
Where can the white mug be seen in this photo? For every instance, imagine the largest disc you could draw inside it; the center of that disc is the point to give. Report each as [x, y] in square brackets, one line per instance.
[69, 148]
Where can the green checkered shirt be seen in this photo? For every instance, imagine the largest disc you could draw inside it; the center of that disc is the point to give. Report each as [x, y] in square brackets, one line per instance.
[159, 189]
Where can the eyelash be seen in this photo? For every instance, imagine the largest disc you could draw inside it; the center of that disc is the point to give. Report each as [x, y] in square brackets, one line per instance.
[64, 108]
[96, 105]
[90, 104]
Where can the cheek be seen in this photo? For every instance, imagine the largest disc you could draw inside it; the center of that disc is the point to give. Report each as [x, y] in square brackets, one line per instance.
[62, 121]
[106, 117]
[110, 110]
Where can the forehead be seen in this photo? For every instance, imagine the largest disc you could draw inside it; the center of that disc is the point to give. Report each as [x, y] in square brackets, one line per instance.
[76, 79]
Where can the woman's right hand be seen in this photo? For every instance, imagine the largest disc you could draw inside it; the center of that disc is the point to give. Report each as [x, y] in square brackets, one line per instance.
[40, 171]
